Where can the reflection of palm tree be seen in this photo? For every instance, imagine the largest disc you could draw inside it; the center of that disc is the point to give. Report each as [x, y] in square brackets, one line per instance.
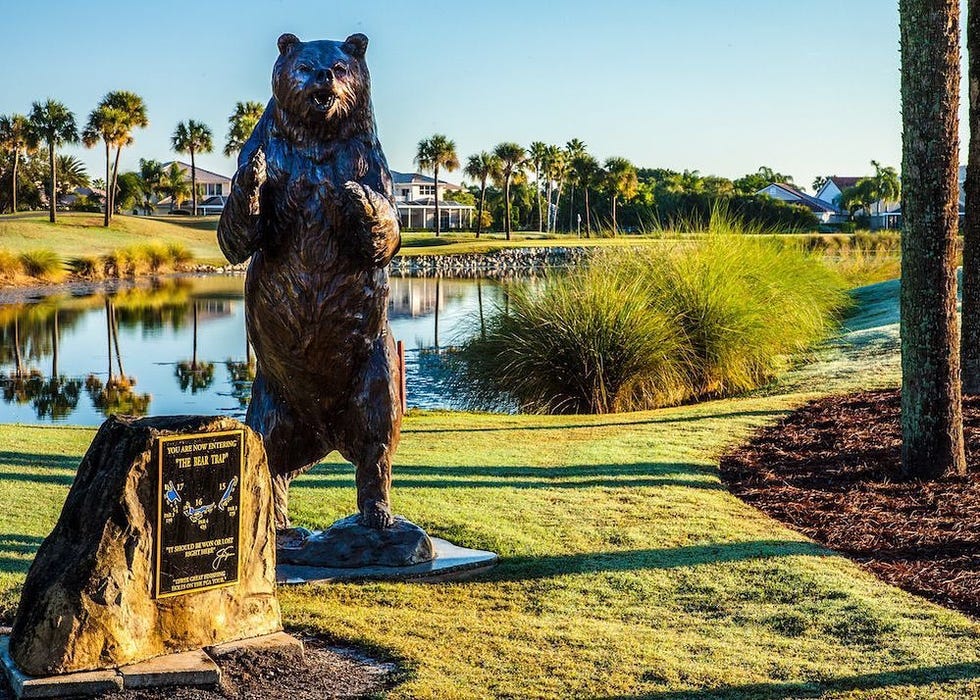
[57, 396]
[241, 374]
[197, 376]
[116, 396]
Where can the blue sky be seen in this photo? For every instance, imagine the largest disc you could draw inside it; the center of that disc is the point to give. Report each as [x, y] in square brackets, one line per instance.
[721, 86]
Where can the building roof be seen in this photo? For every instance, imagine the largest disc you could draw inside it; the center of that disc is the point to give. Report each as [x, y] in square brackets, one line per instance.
[844, 182]
[203, 176]
[431, 202]
[398, 178]
[812, 203]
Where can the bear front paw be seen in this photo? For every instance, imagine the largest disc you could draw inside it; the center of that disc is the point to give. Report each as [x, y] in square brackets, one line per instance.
[252, 175]
[377, 515]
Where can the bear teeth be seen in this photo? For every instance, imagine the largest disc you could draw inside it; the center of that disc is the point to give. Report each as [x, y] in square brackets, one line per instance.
[322, 99]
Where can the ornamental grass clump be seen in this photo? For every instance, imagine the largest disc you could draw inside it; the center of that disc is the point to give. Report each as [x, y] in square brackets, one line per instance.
[42, 264]
[587, 342]
[9, 265]
[717, 316]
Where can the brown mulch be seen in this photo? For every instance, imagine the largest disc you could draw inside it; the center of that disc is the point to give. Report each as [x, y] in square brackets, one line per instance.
[831, 471]
[325, 672]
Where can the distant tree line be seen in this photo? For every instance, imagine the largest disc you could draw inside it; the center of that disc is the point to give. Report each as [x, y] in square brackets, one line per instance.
[34, 175]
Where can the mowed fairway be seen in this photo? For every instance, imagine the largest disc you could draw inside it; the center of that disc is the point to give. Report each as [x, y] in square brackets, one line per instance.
[627, 569]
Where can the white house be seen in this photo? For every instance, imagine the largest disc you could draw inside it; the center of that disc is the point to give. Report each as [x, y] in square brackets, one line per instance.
[825, 212]
[212, 192]
[831, 190]
[414, 195]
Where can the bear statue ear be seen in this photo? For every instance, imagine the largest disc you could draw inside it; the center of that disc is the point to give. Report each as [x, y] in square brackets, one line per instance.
[286, 42]
[356, 45]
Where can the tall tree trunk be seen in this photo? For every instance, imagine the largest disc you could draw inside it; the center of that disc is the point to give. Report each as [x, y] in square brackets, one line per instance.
[571, 208]
[588, 215]
[193, 183]
[970, 343]
[507, 205]
[932, 420]
[115, 183]
[54, 183]
[614, 228]
[483, 201]
[549, 226]
[435, 176]
[13, 184]
[561, 184]
[108, 199]
[537, 191]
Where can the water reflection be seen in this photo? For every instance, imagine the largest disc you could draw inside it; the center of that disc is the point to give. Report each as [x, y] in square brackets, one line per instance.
[160, 346]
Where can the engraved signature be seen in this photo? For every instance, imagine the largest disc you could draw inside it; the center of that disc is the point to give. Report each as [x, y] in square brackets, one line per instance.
[222, 554]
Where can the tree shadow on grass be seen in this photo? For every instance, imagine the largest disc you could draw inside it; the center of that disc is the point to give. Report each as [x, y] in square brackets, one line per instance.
[576, 476]
[921, 676]
[536, 567]
[666, 420]
[56, 479]
[12, 544]
[38, 461]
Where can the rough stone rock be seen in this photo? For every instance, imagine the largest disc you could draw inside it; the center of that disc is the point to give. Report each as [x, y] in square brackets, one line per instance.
[348, 543]
[88, 599]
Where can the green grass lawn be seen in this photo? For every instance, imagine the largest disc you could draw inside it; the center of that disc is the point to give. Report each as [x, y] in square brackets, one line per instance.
[627, 569]
[83, 234]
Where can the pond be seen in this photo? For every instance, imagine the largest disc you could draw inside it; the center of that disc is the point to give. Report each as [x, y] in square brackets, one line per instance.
[177, 346]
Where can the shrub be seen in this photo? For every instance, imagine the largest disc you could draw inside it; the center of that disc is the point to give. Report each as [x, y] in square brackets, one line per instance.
[87, 266]
[157, 257]
[717, 316]
[180, 256]
[112, 263]
[42, 264]
[9, 265]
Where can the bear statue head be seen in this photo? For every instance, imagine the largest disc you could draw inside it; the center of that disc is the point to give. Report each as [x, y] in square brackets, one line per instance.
[323, 86]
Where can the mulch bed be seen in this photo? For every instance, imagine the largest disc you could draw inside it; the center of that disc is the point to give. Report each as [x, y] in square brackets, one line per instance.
[831, 471]
[325, 672]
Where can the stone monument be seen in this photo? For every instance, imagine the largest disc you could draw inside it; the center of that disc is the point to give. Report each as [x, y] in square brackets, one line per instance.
[165, 545]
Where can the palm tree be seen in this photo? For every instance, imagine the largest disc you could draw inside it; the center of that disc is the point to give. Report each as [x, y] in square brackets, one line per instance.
[512, 159]
[55, 124]
[573, 149]
[173, 184]
[537, 154]
[587, 174]
[482, 166]
[887, 184]
[240, 125]
[106, 124]
[151, 177]
[18, 138]
[435, 153]
[71, 174]
[558, 169]
[192, 137]
[133, 111]
[620, 181]
[932, 417]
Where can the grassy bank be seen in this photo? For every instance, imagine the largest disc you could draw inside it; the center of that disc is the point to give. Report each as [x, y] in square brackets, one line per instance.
[76, 235]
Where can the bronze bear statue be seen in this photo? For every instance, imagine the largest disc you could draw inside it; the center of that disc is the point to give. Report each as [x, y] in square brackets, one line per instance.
[311, 204]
